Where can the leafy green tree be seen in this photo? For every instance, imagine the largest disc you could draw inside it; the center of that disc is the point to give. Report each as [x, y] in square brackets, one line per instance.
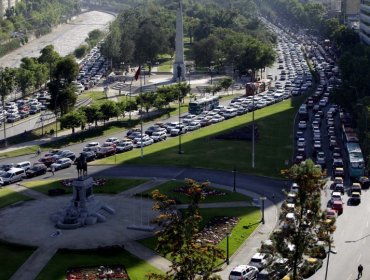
[308, 216]
[146, 100]
[94, 37]
[66, 69]
[63, 97]
[205, 51]
[109, 110]
[73, 119]
[25, 80]
[121, 105]
[7, 85]
[92, 113]
[226, 83]
[50, 58]
[81, 51]
[179, 237]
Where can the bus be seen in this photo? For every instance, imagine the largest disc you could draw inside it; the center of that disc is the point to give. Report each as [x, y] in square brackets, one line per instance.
[356, 162]
[349, 135]
[204, 104]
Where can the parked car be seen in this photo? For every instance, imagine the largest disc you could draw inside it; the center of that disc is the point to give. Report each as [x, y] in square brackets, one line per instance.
[193, 125]
[12, 175]
[25, 165]
[124, 146]
[146, 141]
[154, 128]
[243, 272]
[89, 155]
[158, 136]
[47, 160]
[178, 129]
[36, 170]
[61, 164]
[92, 146]
[260, 260]
[112, 140]
[105, 152]
[6, 166]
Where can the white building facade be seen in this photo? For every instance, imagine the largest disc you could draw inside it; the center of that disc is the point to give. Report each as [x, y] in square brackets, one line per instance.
[365, 21]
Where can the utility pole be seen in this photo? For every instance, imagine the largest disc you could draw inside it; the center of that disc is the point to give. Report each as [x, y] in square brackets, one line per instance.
[180, 128]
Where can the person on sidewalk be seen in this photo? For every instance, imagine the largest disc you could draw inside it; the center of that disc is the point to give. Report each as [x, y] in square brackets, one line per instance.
[360, 269]
[52, 168]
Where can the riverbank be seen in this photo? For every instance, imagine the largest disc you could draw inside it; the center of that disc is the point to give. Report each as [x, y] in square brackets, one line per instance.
[65, 37]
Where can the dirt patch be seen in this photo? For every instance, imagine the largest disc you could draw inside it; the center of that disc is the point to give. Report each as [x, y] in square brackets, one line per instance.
[243, 133]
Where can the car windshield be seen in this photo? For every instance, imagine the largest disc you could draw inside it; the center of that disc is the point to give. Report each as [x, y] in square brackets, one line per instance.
[7, 175]
[256, 260]
[235, 273]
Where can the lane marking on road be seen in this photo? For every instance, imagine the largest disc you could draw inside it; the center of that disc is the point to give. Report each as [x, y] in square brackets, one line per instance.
[359, 258]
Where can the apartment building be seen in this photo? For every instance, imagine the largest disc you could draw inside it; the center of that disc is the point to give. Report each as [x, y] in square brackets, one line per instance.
[351, 13]
[6, 4]
[365, 21]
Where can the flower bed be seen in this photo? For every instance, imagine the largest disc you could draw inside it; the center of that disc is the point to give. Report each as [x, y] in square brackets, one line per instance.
[116, 272]
[217, 229]
[206, 191]
[98, 182]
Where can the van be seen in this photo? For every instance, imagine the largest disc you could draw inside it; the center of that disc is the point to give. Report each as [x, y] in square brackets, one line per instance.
[25, 165]
[12, 176]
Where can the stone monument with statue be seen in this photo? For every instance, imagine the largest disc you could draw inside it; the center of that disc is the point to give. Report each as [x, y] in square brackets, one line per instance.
[84, 209]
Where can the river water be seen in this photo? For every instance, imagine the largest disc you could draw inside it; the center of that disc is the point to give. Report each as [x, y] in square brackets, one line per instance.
[65, 38]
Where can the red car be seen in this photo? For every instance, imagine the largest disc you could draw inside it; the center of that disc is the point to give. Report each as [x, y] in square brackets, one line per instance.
[47, 160]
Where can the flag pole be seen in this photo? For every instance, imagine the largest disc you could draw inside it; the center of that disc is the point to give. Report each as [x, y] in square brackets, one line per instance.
[141, 113]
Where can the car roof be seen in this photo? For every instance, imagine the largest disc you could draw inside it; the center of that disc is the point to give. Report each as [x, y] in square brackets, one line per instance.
[240, 267]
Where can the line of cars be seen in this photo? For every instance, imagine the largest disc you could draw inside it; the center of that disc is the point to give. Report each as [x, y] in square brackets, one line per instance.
[92, 68]
[22, 108]
[54, 160]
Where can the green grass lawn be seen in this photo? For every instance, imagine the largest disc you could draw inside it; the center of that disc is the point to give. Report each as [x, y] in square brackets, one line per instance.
[62, 260]
[112, 185]
[169, 187]
[97, 97]
[7, 197]
[274, 146]
[12, 256]
[20, 152]
[249, 220]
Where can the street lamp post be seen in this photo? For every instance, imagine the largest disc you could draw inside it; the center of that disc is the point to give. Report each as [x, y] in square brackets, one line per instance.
[328, 222]
[227, 248]
[180, 128]
[253, 125]
[263, 198]
[42, 125]
[234, 175]
[233, 78]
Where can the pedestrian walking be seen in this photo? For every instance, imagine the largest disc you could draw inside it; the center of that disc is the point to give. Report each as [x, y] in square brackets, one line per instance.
[360, 269]
[38, 152]
[52, 169]
[273, 196]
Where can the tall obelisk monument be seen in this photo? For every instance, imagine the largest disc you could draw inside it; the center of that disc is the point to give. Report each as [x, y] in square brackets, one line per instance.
[179, 66]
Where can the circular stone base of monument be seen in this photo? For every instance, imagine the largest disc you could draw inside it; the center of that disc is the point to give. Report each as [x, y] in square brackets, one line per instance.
[30, 223]
[61, 225]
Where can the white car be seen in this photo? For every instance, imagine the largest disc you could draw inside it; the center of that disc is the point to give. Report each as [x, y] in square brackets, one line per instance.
[193, 126]
[302, 124]
[61, 163]
[243, 272]
[112, 140]
[146, 141]
[92, 146]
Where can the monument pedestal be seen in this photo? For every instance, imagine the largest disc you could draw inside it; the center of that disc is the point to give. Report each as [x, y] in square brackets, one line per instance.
[84, 208]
